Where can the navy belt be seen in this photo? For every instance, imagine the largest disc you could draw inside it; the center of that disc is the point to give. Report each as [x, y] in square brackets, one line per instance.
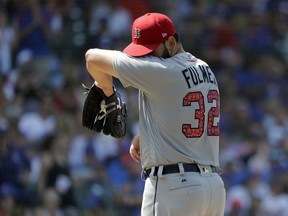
[174, 168]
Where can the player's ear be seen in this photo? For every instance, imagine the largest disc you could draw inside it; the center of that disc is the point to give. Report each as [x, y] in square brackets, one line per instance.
[170, 42]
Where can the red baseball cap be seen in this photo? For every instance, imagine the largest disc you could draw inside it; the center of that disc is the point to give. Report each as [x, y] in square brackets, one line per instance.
[148, 32]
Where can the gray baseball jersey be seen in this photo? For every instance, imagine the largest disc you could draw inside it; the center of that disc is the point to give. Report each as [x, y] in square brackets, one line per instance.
[178, 108]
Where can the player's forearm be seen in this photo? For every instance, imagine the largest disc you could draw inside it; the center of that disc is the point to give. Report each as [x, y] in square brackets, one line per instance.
[99, 65]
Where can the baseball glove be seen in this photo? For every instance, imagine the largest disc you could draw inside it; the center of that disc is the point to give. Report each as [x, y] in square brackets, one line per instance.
[91, 108]
[104, 113]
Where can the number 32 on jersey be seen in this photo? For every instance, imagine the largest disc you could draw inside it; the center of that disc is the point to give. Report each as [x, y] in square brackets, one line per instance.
[212, 127]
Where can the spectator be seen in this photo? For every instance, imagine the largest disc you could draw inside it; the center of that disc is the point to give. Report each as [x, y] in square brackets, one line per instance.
[86, 170]
[55, 172]
[129, 198]
[7, 44]
[34, 32]
[275, 122]
[101, 38]
[112, 21]
[38, 123]
[238, 201]
[7, 200]
[277, 202]
[51, 204]
[15, 168]
[120, 21]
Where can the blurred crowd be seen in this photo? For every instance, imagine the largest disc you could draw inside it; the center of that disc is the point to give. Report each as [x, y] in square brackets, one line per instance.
[51, 165]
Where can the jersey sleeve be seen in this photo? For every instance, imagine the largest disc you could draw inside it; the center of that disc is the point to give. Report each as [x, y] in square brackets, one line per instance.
[142, 73]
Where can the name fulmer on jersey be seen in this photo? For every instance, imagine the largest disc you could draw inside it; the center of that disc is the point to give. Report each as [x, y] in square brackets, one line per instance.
[195, 76]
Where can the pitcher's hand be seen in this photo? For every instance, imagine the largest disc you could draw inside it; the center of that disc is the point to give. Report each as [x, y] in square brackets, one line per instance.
[135, 148]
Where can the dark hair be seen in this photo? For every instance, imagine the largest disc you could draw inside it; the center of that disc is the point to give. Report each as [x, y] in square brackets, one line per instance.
[177, 37]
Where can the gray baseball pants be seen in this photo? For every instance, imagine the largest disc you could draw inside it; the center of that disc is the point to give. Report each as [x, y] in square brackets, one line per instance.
[184, 194]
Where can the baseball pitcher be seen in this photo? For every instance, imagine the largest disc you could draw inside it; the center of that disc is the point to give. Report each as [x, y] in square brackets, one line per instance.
[179, 113]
